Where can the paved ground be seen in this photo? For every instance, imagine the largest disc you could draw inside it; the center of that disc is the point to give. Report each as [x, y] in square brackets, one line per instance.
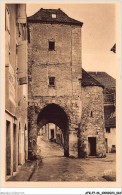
[54, 167]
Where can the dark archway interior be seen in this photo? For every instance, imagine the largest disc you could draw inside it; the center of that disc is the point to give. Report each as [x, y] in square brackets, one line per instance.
[53, 114]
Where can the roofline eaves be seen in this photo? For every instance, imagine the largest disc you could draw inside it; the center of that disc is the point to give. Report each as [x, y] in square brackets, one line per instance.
[54, 22]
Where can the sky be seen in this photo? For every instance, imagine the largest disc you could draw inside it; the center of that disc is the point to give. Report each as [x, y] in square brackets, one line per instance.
[98, 32]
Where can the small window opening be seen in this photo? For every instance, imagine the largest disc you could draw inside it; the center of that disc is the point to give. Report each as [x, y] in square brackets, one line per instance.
[19, 126]
[107, 130]
[53, 15]
[51, 81]
[51, 45]
[16, 49]
[91, 114]
[25, 127]
[113, 146]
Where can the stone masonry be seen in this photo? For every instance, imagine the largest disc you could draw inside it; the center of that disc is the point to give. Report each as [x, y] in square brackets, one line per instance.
[66, 99]
[92, 120]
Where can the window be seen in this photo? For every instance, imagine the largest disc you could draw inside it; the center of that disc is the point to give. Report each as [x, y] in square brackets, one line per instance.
[107, 130]
[51, 81]
[53, 15]
[51, 45]
[113, 149]
[113, 146]
[7, 20]
[91, 114]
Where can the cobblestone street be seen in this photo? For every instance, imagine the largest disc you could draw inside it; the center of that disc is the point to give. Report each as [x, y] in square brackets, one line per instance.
[54, 167]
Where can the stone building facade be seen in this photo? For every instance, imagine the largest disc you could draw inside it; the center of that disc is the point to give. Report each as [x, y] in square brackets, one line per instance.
[52, 133]
[92, 119]
[15, 87]
[109, 94]
[57, 92]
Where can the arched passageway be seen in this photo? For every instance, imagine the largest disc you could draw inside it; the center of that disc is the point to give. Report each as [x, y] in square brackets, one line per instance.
[53, 113]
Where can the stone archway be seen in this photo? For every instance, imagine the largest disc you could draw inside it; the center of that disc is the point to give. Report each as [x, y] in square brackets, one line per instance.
[51, 113]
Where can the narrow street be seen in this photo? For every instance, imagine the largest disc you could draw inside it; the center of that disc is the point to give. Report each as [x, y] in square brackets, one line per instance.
[49, 149]
[56, 167]
[53, 166]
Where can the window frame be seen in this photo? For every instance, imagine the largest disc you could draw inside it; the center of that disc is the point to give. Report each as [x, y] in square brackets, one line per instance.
[108, 130]
[53, 81]
[53, 15]
[51, 41]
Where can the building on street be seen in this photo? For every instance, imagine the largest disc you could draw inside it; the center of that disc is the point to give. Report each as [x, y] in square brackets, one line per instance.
[48, 93]
[16, 87]
[109, 93]
[51, 103]
[59, 90]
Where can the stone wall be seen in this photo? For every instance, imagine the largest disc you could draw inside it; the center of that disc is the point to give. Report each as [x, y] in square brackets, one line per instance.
[92, 121]
[64, 63]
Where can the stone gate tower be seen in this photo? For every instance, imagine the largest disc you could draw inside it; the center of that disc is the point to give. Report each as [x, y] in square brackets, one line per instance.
[59, 90]
[54, 81]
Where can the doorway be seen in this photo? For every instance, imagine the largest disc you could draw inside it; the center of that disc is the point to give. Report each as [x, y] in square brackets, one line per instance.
[14, 147]
[106, 141]
[92, 146]
[8, 149]
[52, 133]
[19, 145]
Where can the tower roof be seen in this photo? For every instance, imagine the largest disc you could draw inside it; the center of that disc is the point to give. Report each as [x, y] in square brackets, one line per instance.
[52, 16]
[88, 80]
[105, 79]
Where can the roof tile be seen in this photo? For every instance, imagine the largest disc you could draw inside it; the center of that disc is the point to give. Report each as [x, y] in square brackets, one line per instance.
[45, 16]
[104, 79]
[88, 80]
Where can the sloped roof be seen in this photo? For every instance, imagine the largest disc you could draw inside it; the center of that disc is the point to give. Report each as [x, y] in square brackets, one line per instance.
[45, 16]
[88, 80]
[110, 119]
[114, 48]
[109, 84]
[104, 79]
